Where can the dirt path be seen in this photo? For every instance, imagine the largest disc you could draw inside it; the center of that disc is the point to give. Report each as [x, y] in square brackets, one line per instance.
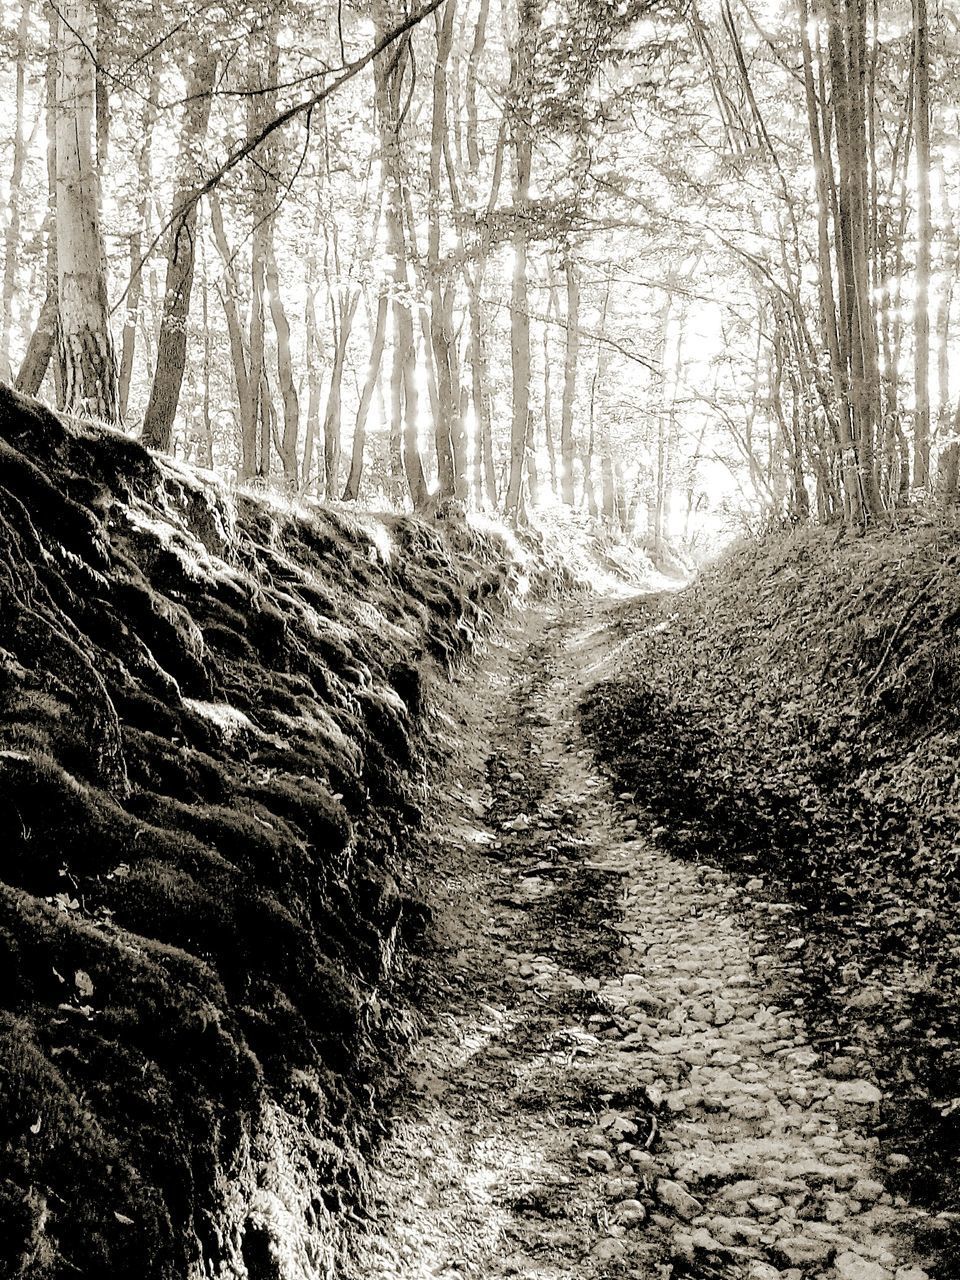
[608, 1086]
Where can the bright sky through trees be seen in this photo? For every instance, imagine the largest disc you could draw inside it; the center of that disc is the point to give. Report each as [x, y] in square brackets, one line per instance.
[676, 267]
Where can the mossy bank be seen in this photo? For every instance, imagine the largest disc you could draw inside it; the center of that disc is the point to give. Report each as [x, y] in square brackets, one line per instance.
[211, 712]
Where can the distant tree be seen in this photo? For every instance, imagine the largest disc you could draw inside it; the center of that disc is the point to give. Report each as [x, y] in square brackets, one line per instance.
[181, 254]
[86, 352]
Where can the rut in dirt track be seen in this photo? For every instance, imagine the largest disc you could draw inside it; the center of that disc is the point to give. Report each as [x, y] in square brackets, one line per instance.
[608, 1086]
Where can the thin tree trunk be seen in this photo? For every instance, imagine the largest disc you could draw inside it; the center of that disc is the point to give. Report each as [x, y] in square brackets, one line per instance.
[483, 444]
[921, 311]
[289, 441]
[15, 180]
[608, 496]
[944, 303]
[207, 365]
[548, 412]
[352, 489]
[485, 475]
[135, 240]
[86, 344]
[440, 331]
[40, 348]
[570, 362]
[404, 400]
[313, 378]
[263, 70]
[821, 161]
[606, 475]
[246, 402]
[161, 408]
[332, 414]
[528, 23]
[476, 53]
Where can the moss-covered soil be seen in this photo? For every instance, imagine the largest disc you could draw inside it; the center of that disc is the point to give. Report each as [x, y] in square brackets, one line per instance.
[795, 715]
[210, 777]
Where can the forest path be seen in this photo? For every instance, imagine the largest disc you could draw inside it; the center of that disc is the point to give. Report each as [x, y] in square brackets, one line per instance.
[607, 1085]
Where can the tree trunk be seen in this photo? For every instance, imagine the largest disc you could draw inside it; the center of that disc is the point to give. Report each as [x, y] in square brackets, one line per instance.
[40, 348]
[523, 67]
[207, 366]
[485, 470]
[332, 414]
[246, 401]
[161, 408]
[548, 412]
[86, 345]
[948, 475]
[607, 490]
[135, 240]
[476, 52]
[944, 304]
[440, 331]
[290, 439]
[404, 400]
[847, 51]
[352, 489]
[15, 180]
[312, 340]
[570, 361]
[263, 69]
[921, 309]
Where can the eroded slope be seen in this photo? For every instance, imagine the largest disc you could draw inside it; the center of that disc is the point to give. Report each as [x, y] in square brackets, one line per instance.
[208, 770]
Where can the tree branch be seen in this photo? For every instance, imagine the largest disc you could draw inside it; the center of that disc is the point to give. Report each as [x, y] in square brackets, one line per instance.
[307, 106]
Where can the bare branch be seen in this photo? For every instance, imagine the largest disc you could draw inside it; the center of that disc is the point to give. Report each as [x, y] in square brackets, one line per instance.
[306, 107]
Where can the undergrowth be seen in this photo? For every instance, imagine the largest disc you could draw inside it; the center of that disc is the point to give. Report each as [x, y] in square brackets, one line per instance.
[796, 714]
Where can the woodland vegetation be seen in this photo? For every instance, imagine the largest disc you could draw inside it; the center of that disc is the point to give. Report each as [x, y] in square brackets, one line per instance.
[657, 260]
[645, 268]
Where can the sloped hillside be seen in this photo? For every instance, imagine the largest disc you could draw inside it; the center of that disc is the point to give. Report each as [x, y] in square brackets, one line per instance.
[209, 771]
[796, 715]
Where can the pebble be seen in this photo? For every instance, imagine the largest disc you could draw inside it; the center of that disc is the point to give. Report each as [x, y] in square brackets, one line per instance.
[677, 1198]
[763, 1271]
[748, 1109]
[702, 1239]
[723, 1012]
[766, 1205]
[851, 1266]
[860, 1093]
[601, 1160]
[801, 1251]
[609, 1250]
[866, 1190]
[622, 1188]
[630, 1212]
[740, 1191]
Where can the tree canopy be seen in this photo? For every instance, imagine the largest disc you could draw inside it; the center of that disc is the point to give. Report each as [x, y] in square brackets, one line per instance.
[672, 265]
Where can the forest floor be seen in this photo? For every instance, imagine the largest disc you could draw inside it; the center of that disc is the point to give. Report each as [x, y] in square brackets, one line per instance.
[613, 1078]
